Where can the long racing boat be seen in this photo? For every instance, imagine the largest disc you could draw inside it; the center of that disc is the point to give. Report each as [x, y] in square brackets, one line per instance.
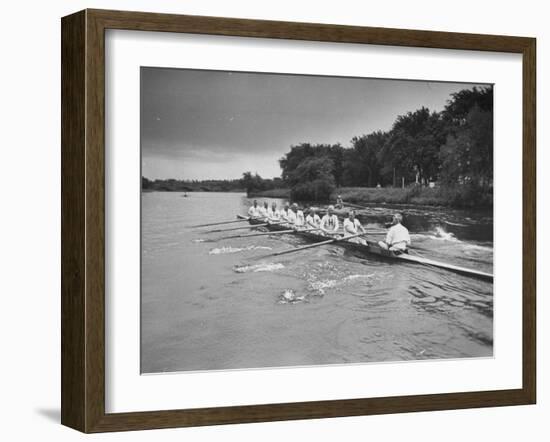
[372, 248]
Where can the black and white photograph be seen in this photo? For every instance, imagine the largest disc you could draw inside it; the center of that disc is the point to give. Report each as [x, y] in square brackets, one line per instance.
[305, 220]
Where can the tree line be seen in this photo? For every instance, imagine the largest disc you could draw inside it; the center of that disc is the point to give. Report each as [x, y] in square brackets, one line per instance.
[453, 147]
[174, 185]
[248, 182]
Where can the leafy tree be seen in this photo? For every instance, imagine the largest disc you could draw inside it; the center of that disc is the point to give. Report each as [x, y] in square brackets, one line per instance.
[361, 164]
[300, 152]
[467, 156]
[252, 183]
[146, 183]
[312, 180]
[336, 155]
[462, 102]
[412, 148]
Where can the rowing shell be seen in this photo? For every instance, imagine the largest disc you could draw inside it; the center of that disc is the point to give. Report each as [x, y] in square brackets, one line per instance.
[373, 249]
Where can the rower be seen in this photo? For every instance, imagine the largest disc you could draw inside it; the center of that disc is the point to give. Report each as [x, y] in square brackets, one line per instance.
[300, 220]
[273, 214]
[397, 238]
[254, 211]
[285, 217]
[263, 210]
[339, 202]
[289, 215]
[329, 222]
[312, 219]
[352, 226]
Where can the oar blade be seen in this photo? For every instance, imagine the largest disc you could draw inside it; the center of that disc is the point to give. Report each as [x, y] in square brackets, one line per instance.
[219, 223]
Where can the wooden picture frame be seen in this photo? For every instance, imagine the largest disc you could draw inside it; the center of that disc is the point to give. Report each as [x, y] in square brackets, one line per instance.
[83, 220]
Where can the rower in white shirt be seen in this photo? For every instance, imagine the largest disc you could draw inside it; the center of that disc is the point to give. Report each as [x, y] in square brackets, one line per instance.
[254, 211]
[273, 214]
[290, 216]
[283, 212]
[300, 220]
[352, 226]
[329, 222]
[397, 238]
[312, 219]
[263, 210]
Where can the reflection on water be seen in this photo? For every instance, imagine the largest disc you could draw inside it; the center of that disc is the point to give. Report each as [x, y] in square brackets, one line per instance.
[216, 304]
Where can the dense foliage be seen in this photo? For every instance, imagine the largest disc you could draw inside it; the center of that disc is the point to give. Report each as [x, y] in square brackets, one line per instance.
[172, 185]
[255, 183]
[453, 147]
[248, 182]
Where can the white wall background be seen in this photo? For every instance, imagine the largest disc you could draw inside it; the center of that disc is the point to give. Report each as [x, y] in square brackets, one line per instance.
[30, 216]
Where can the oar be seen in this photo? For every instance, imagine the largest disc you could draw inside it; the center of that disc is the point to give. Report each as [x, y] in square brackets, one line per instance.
[276, 232]
[251, 226]
[220, 223]
[309, 246]
[356, 206]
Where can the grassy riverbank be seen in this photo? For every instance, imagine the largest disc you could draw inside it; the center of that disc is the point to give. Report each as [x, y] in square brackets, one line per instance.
[458, 196]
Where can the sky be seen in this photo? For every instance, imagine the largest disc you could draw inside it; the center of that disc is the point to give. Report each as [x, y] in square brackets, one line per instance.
[198, 124]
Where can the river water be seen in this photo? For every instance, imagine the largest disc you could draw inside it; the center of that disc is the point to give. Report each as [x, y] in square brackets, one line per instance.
[209, 304]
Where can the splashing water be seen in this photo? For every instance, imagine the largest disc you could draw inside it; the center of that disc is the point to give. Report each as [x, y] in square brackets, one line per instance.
[259, 268]
[225, 250]
[289, 297]
[441, 234]
[321, 286]
[352, 277]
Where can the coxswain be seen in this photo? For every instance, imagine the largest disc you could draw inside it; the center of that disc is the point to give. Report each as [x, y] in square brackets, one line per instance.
[339, 202]
[397, 238]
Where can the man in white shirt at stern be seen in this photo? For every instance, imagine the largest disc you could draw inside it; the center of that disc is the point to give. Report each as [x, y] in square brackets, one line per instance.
[397, 238]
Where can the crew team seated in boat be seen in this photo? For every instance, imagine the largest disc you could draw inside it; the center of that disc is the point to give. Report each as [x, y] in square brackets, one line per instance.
[397, 238]
[273, 214]
[263, 210]
[312, 219]
[254, 211]
[300, 220]
[329, 222]
[352, 226]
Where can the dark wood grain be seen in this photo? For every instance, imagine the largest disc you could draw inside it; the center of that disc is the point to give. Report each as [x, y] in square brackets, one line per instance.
[83, 220]
[73, 255]
[529, 221]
